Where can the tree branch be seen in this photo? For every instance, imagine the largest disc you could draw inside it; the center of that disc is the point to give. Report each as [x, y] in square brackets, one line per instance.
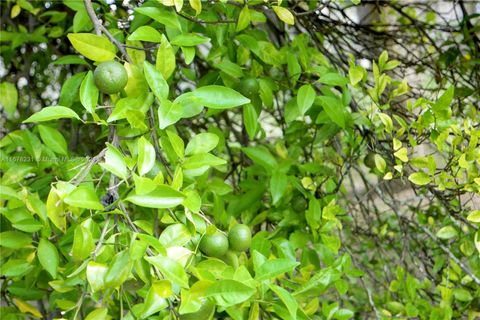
[100, 27]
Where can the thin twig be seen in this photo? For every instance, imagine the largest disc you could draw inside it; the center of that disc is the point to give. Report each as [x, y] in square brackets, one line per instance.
[100, 27]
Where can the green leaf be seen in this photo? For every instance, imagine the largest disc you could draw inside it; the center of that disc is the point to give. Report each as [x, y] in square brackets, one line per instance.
[155, 81]
[230, 68]
[273, 268]
[320, 281]
[284, 14]
[165, 62]
[305, 98]
[243, 19]
[278, 186]
[161, 197]
[175, 235]
[356, 74]
[333, 79]
[218, 97]
[189, 40]
[474, 216]
[84, 197]
[89, 93]
[447, 232]
[177, 143]
[96, 274]
[166, 17]
[70, 89]
[27, 225]
[146, 33]
[172, 270]
[55, 210]
[334, 109]
[70, 59]
[118, 270]
[115, 162]
[287, 299]
[196, 5]
[52, 113]
[169, 113]
[203, 160]
[146, 156]
[420, 178]
[154, 302]
[294, 68]
[48, 256]
[98, 314]
[343, 314]
[444, 101]
[8, 97]
[461, 294]
[96, 48]
[262, 156]
[83, 243]
[15, 239]
[53, 139]
[401, 154]
[202, 143]
[250, 120]
[229, 292]
[191, 105]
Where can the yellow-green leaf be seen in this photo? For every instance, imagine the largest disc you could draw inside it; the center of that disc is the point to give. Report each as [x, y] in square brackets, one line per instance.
[284, 14]
[197, 6]
[474, 216]
[96, 48]
[420, 178]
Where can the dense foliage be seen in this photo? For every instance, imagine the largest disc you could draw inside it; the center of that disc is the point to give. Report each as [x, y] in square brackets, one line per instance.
[264, 160]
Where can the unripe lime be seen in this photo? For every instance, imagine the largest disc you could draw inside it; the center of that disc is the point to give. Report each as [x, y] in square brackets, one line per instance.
[369, 160]
[249, 87]
[110, 77]
[240, 237]
[214, 245]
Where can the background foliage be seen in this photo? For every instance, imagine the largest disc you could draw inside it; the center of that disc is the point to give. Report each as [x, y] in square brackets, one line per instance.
[356, 164]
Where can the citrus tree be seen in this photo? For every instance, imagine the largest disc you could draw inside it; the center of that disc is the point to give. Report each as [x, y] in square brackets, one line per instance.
[179, 159]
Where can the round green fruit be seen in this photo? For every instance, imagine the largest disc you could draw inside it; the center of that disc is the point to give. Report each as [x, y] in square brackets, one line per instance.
[249, 87]
[214, 245]
[240, 237]
[110, 77]
[369, 160]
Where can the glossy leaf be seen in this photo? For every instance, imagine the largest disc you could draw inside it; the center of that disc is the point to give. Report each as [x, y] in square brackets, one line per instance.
[96, 48]
[146, 33]
[52, 113]
[218, 97]
[161, 197]
[48, 257]
[146, 156]
[172, 270]
[83, 197]
[89, 93]
[155, 81]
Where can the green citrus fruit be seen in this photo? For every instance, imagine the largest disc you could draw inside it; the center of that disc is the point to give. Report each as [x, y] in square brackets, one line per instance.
[369, 160]
[249, 87]
[110, 77]
[240, 237]
[214, 245]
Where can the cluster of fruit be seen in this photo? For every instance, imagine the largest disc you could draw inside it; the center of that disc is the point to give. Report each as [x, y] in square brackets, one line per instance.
[217, 244]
